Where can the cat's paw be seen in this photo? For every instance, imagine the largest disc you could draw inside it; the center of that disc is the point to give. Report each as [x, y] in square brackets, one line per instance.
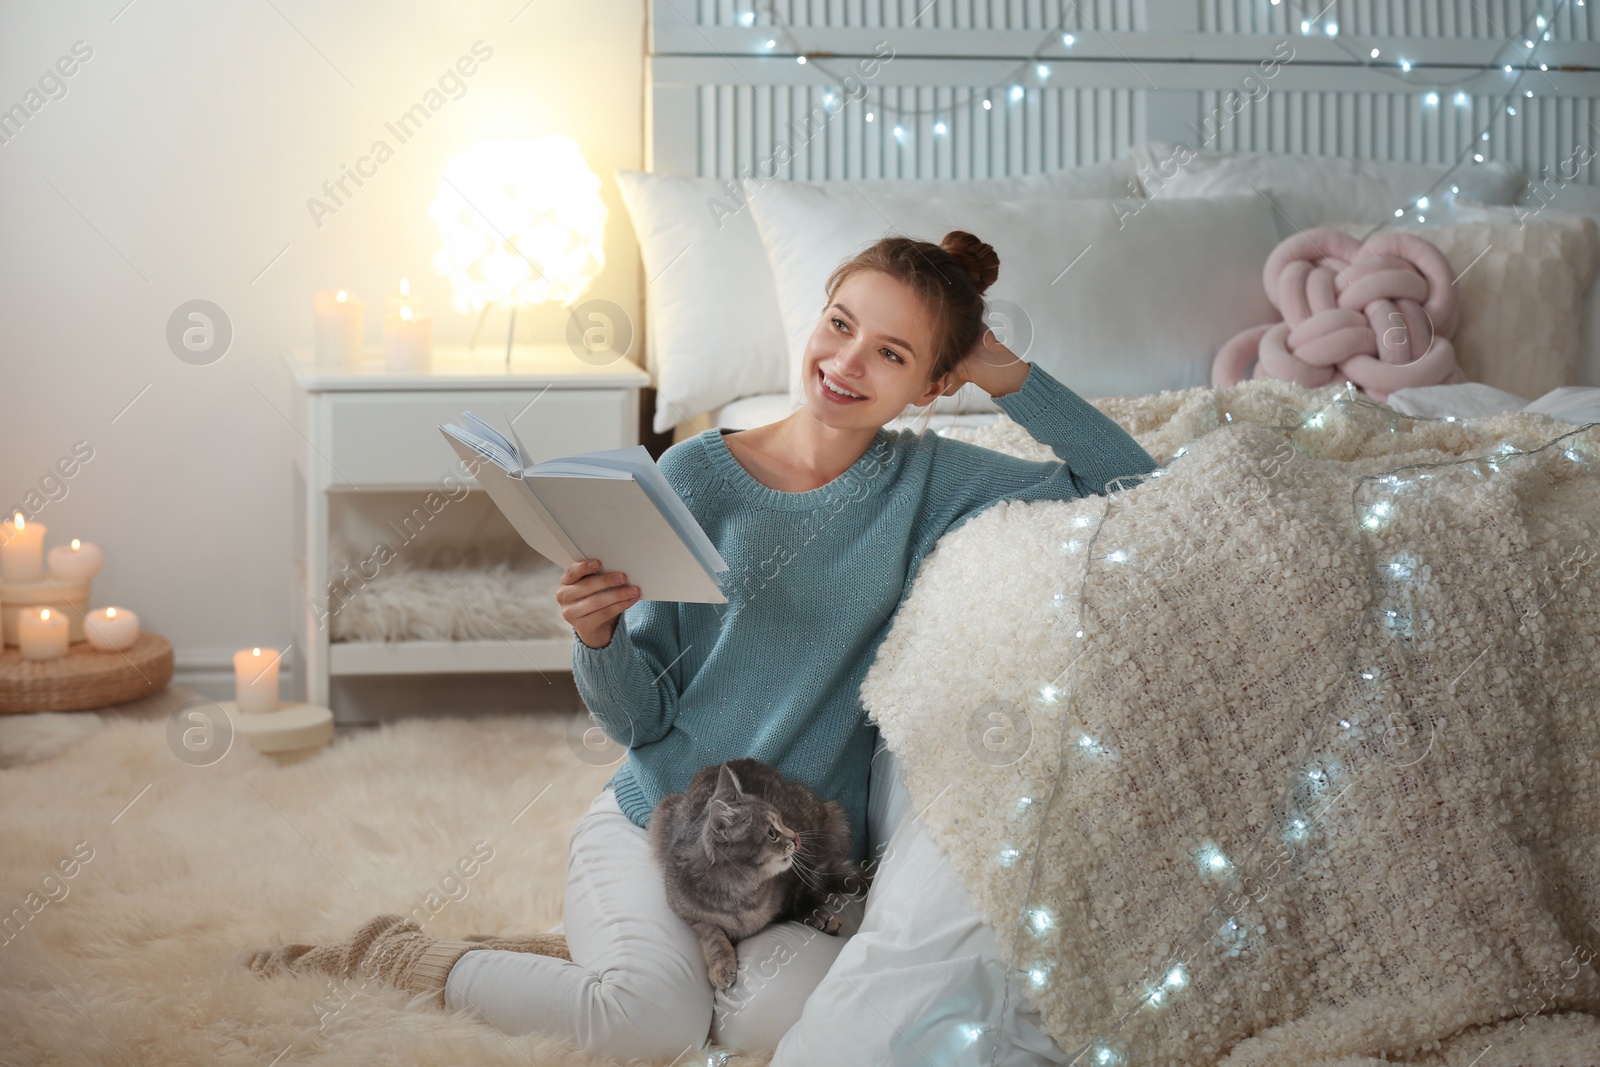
[828, 924]
[723, 970]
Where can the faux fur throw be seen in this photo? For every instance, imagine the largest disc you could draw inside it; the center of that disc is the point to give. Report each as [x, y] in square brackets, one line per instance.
[1292, 758]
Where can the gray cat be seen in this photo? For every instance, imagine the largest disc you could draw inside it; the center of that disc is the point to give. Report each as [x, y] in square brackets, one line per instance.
[743, 847]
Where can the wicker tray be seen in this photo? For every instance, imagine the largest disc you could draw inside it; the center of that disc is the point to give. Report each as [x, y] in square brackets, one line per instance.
[85, 677]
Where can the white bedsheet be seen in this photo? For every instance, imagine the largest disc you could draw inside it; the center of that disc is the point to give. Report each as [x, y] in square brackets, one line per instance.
[1474, 400]
[1576, 404]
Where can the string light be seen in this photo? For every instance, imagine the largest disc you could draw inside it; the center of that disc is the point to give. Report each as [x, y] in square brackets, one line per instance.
[1330, 29]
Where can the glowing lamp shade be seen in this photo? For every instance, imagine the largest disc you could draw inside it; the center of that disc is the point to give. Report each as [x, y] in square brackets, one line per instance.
[522, 223]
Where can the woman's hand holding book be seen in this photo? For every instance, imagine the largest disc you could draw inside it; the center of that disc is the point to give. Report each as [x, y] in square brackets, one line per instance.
[591, 601]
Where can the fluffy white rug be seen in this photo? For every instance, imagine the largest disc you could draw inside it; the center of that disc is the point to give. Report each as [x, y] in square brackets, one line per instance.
[174, 868]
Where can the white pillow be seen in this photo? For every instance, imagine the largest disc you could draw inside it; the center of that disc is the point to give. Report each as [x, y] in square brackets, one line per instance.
[1549, 194]
[1522, 284]
[1317, 190]
[1123, 296]
[714, 329]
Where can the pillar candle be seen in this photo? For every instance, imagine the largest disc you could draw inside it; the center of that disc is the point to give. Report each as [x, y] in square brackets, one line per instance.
[77, 562]
[42, 633]
[21, 557]
[340, 319]
[111, 629]
[255, 680]
[407, 340]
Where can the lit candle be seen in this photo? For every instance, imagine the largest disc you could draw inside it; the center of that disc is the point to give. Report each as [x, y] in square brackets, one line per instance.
[21, 557]
[255, 680]
[111, 629]
[407, 340]
[341, 319]
[77, 562]
[396, 300]
[42, 633]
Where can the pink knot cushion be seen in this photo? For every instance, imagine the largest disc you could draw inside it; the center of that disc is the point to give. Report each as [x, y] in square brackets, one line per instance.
[1379, 314]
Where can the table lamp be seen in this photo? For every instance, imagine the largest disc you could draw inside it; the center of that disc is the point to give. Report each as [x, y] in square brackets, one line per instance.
[522, 223]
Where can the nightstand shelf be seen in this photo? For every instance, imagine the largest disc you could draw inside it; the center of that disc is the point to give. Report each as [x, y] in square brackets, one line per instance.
[449, 657]
[366, 435]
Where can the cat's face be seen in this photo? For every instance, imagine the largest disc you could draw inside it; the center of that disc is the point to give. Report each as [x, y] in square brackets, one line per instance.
[747, 831]
[750, 833]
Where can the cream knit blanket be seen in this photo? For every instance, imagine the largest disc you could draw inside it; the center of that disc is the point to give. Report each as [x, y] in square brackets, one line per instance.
[1292, 759]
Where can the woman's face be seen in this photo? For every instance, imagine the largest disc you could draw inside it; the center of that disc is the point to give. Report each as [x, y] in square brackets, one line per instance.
[872, 341]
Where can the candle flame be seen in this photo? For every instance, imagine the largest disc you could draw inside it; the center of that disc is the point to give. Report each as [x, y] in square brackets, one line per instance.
[405, 312]
[111, 613]
[255, 652]
[405, 286]
[44, 614]
[341, 296]
[76, 544]
[17, 520]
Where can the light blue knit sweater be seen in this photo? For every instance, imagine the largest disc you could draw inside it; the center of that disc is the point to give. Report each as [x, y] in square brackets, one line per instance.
[814, 580]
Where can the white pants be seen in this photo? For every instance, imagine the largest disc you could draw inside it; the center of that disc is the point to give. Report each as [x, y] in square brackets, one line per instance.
[912, 955]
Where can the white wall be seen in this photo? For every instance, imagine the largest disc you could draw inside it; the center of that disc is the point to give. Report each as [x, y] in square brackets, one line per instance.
[177, 166]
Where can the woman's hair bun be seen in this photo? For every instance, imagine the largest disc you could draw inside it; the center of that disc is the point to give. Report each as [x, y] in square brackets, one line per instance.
[976, 257]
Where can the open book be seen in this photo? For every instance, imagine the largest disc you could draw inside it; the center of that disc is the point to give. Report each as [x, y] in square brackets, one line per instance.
[614, 506]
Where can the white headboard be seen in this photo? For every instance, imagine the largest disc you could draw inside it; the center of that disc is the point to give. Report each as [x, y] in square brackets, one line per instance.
[721, 102]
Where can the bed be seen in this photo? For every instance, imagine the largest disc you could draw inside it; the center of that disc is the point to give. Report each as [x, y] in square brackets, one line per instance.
[1176, 144]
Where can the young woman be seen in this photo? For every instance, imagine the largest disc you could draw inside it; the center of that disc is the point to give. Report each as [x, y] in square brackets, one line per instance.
[823, 518]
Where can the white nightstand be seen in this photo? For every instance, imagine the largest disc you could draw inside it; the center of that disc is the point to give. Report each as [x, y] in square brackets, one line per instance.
[363, 430]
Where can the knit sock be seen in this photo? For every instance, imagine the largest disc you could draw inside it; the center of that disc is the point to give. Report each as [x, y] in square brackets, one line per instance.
[539, 944]
[391, 947]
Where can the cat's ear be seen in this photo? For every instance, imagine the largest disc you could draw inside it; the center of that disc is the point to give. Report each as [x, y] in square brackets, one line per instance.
[727, 783]
[708, 839]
